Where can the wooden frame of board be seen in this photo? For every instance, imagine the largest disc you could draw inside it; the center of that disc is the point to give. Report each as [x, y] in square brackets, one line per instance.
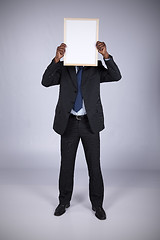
[80, 36]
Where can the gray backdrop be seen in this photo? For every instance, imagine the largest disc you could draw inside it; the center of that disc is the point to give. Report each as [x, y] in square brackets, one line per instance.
[29, 34]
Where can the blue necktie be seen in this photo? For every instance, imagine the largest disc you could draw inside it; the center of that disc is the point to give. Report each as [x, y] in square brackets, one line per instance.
[78, 102]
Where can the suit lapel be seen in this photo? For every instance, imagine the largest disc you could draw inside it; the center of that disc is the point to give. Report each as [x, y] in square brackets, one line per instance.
[85, 74]
[72, 72]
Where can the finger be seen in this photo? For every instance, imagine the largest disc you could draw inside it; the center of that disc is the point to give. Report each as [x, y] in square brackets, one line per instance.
[97, 43]
[101, 47]
[61, 52]
[63, 45]
[61, 49]
[101, 44]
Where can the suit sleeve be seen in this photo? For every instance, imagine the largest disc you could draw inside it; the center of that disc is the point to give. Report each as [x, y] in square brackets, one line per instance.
[52, 74]
[112, 73]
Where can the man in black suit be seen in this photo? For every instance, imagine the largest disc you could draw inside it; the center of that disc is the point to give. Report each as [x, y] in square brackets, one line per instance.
[79, 115]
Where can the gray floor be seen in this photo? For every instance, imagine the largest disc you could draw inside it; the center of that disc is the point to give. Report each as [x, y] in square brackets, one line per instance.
[29, 197]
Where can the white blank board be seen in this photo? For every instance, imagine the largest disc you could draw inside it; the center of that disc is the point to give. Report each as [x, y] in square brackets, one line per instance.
[80, 36]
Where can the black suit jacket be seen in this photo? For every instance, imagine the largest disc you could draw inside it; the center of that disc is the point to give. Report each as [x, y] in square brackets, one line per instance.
[65, 76]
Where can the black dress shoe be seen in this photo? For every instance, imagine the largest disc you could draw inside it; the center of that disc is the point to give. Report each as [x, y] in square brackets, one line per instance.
[61, 209]
[99, 213]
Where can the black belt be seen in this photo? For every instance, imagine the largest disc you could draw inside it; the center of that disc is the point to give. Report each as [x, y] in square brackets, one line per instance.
[79, 117]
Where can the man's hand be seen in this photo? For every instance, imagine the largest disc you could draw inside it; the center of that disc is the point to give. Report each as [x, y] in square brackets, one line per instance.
[101, 47]
[60, 52]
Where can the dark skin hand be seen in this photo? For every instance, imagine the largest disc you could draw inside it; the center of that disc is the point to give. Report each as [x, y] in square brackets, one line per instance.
[60, 52]
[101, 47]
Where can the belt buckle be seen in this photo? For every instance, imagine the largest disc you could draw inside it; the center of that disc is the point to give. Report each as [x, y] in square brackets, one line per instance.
[78, 117]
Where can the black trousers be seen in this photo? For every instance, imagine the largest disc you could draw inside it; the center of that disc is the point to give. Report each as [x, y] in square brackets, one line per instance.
[76, 130]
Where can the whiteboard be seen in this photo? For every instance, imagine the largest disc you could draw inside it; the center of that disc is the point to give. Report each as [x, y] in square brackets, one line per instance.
[80, 36]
